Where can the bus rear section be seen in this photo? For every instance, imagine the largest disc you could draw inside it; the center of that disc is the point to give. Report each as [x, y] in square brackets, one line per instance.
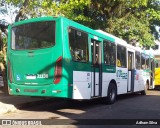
[157, 78]
[34, 65]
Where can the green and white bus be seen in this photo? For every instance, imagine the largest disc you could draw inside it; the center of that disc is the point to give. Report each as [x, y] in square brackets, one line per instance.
[140, 65]
[148, 65]
[57, 57]
[155, 72]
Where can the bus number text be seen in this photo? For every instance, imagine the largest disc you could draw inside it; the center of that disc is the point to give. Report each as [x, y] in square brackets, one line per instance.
[42, 76]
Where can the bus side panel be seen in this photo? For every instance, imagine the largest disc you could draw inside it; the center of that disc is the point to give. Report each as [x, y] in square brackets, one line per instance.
[107, 77]
[157, 77]
[81, 80]
[139, 81]
[146, 77]
[109, 73]
[68, 77]
[80, 70]
[81, 85]
[122, 78]
[68, 64]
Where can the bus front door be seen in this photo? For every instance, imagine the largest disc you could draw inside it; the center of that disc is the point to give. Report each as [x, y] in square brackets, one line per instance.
[96, 68]
[151, 73]
[131, 71]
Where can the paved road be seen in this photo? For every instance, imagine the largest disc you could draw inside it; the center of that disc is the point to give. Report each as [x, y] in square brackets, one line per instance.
[132, 106]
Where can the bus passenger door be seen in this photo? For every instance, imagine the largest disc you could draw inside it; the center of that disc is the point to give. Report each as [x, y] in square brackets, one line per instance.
[131, 71]
[96, 68]
[152, 72]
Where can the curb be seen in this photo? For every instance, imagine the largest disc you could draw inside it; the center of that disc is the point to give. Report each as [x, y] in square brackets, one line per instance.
[7, 108]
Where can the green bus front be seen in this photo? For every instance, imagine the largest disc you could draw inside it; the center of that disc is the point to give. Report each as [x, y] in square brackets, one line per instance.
[35, 59]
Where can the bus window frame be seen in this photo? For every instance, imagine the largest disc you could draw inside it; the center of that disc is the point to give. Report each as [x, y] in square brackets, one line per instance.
[143, 67]
[114, 56]
[139, 54]
[87, 44]
[147, 62]
[122, 66]
[11, 44]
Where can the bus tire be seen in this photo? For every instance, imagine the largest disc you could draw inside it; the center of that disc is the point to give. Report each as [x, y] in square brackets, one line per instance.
[112, 94]
[145, 90]
[147, 85]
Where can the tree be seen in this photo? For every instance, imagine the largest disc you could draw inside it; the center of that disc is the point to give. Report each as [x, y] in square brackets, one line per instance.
[5, 19]
[21, 13]
[153, 12]
[132, 20]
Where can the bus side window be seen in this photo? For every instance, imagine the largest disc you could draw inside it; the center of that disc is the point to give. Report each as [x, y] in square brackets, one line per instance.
[78, 42]
[138, 61]
[118, 61]
[143, 64]
[109, 53]
[147, 62]
[121, 56]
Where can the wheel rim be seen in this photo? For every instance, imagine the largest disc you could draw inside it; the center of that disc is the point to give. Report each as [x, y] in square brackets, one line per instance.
[112, 94]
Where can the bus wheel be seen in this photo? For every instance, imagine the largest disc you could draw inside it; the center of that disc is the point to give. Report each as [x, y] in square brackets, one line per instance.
[112, 93]
[145, 90]
[147, 85]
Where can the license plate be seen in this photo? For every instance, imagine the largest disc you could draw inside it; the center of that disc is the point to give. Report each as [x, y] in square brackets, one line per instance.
[30, 77]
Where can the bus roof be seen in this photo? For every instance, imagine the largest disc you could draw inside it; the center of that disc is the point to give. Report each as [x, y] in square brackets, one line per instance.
[117, 40]
[77, 25]
[120, 41]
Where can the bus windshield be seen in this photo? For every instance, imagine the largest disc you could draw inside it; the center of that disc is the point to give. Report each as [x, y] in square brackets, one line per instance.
[33, 35]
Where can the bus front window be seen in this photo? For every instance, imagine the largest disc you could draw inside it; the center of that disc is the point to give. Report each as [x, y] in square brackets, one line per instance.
[33, 35]
[147, 62]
